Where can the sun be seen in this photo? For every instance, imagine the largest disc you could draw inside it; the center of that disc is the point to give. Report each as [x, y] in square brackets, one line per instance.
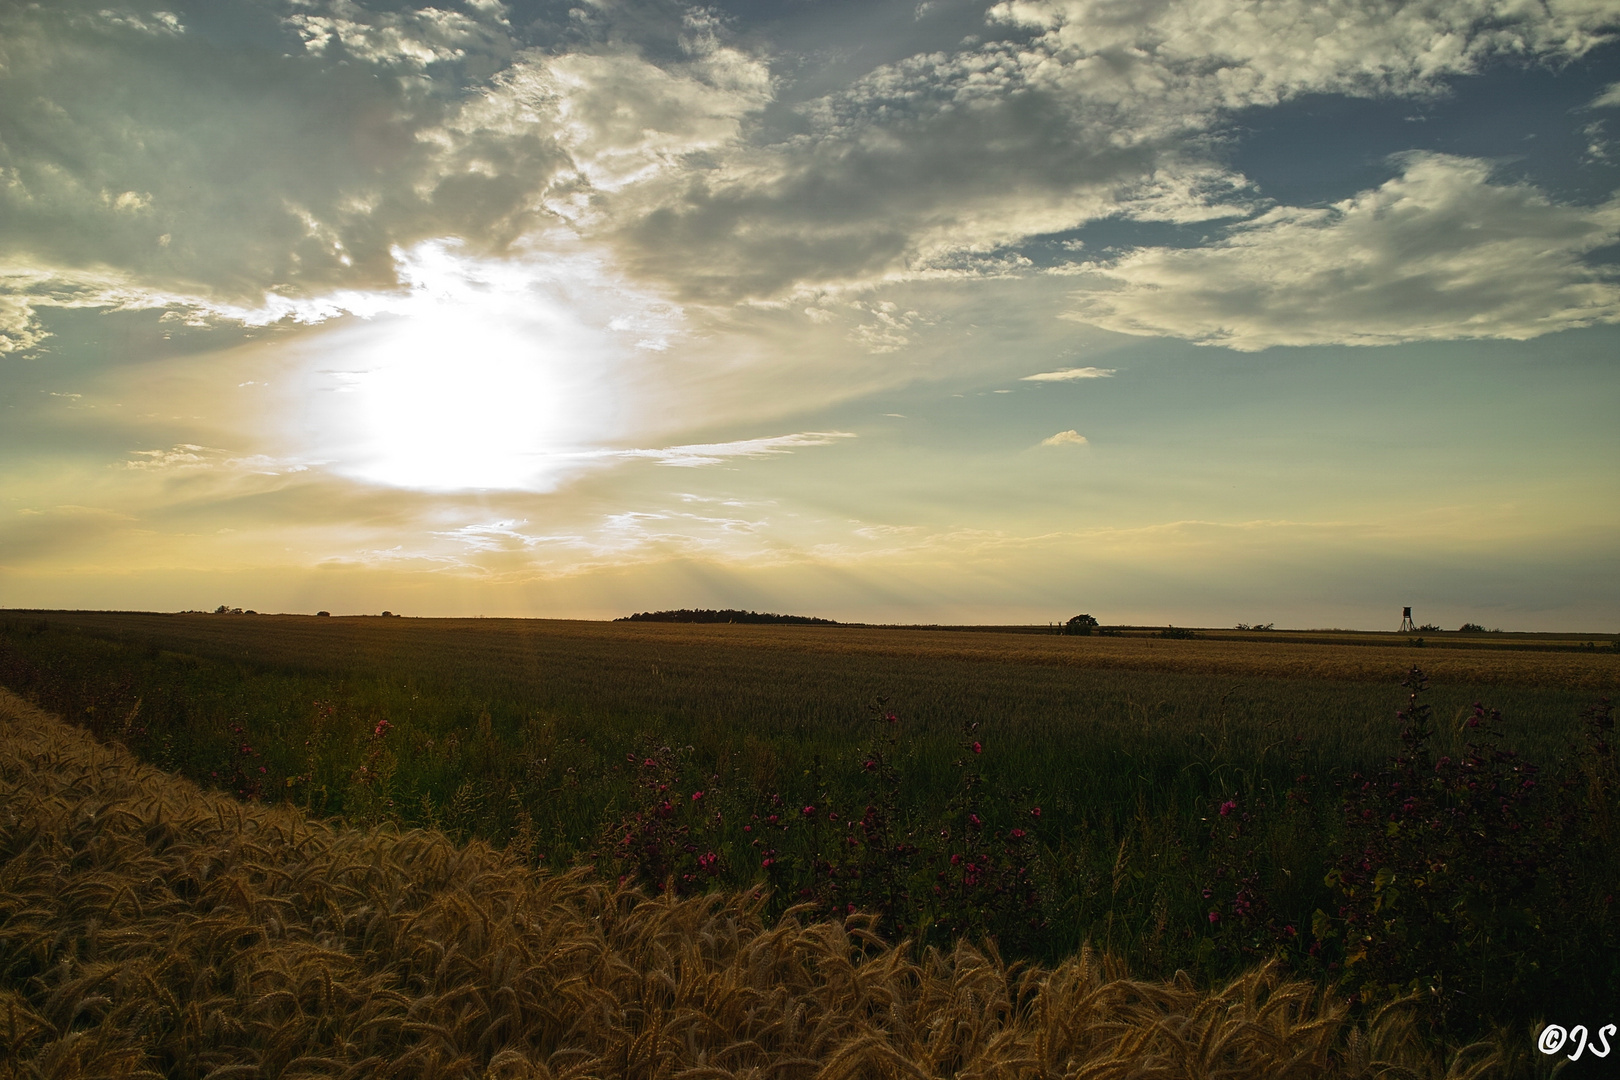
[477, 381]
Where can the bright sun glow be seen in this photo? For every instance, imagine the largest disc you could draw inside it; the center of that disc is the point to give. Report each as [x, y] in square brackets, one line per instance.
[481, 378]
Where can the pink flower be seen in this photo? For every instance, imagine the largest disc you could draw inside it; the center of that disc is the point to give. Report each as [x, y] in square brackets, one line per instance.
[1227, 807]
[1035, 812]
[978, 748]
[1018, 834]
[808, 811]
[1214, 917]
[697, 796]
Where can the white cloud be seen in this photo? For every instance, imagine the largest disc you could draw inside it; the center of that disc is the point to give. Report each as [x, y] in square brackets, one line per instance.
[1437, 253]
[714, 453]
[411, 38]
[192, 457]
[155, 23]
[1066, 438]
[1609, 99]
[1102, 113]
[1070, 374]
[1233, 53]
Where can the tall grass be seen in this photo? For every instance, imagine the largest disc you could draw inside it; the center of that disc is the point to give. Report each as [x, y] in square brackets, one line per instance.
[151, 929]
[554, 745]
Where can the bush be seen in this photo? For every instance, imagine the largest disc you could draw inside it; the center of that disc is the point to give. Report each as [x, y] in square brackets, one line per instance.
[1457, 877]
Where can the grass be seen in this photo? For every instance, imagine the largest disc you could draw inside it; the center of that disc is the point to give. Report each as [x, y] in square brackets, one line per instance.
[153, 929]
[536, 737]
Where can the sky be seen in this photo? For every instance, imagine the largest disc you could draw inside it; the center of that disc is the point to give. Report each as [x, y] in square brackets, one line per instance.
[1167, 311]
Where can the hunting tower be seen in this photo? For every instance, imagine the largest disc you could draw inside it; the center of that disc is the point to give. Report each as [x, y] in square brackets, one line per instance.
[1406, 621]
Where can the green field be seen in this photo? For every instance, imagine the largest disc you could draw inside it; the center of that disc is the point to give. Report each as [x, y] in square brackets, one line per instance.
[553, 739]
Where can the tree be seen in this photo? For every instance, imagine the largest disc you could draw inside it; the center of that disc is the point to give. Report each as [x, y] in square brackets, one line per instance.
[1080, 624]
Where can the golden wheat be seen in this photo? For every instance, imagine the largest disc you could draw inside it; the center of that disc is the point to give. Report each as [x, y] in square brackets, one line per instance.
[152, 929]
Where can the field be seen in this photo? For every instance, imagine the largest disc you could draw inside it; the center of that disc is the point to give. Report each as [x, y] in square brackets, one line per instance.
[150, 929]
[1187, 805]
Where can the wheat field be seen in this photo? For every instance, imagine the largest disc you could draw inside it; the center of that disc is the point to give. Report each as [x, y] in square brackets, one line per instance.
[151, 929]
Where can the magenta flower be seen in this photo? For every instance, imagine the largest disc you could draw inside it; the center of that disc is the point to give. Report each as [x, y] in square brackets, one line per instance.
[978, 748]
[1227, 807]
[808, 811]
[697, 796]
[1214, 917]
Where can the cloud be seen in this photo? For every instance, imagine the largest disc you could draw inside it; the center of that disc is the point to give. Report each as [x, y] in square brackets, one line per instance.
[1066, 438]
[192, 456]
[160, 167]
[1071, 374]
[714, 453]
[1106, 111]
[1609, 99]
[411, 38]
[1436, 253]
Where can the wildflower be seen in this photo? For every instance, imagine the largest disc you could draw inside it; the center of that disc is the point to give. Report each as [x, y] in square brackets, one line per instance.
[1214, 917]
[1035, 812]
[808, 811]
[870, 765]
[748, 828]
[975, 819]
[978, 748]
[891, 718]
[697, 796]
[1227, 807]
[1018, 834]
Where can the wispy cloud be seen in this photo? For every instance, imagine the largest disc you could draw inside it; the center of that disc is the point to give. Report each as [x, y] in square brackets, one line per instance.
[1437, 253]
[1071, 374]
[699, 454]
[191, 456]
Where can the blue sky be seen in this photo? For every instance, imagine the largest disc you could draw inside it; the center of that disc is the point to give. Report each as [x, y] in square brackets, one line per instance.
[1195, 311]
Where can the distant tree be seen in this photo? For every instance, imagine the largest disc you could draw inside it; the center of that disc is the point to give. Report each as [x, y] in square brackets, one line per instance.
[324, 614]
[1080, 624]
[1470, 628]
[708, 615]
